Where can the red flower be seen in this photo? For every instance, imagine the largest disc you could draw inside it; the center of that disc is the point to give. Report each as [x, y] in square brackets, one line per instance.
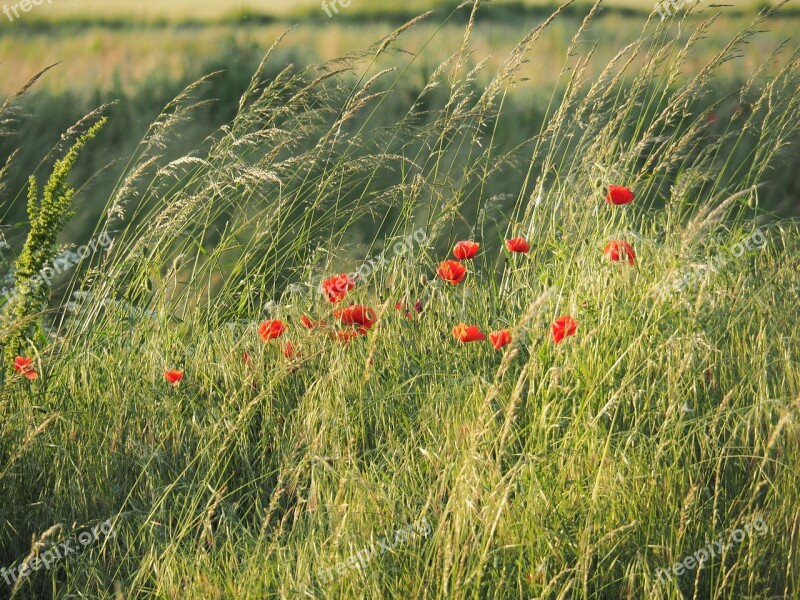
[617, 250]
[336, 287]
[500, 338]
[465, 250]
[468, 333]
[356, 315]
[564, 327]
[289, 351]
[271, 329]
[403, 308]
[25, 366]
[345, 335]
[173, 377]
[618, 195]
[452, 271]
[309, 324]
[519, 244]
[246, 358]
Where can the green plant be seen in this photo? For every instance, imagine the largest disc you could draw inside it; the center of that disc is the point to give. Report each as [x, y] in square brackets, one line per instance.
[48, 215]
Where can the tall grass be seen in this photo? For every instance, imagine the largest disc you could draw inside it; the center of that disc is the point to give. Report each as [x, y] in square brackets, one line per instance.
[572, 470]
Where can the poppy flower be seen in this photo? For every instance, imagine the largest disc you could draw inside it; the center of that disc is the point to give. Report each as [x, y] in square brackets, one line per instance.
[618, 195]
[465, 250]
[309, 324]
[519, 244]
[500, 338]
[356, 315]
[173, 377]
[418, 307]
[345, 335]
[246, 358]
[289, 351]
[271, 329]
[403, 308]
[564, 327]
[468, 333]
[336, 287]
[452, 271]
[25, 366]
[619, 251]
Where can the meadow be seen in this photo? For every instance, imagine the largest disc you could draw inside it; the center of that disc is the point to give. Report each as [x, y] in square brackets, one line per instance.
[473, 309]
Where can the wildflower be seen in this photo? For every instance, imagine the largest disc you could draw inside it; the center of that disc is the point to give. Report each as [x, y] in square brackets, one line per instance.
[403, 308]
[25, 366]
[246, 358]
[336, 287]
[564, 327]
[619, 251]
[518, 244]
[356, 315]
[468, 333]
[271, 329]
[309, 324]
[345, 335]
[173, 377]
[500, 338]
[618, 195]
[465, 250]
[452, 271]
[289, 351]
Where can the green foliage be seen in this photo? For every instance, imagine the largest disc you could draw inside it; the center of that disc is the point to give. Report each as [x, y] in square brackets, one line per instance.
[573, 470]
[48, 216]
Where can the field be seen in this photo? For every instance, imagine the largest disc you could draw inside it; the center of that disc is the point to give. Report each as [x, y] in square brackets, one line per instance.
[498, 303]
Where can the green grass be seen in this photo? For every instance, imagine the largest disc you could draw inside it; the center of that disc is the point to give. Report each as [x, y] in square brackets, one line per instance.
[544, 470]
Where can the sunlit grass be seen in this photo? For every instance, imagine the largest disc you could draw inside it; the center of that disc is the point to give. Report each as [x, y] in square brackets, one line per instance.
[570, 470]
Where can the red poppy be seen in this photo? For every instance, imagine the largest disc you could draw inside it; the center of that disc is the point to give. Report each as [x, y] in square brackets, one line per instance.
[519, 244]
[465, 250]
[564, 327]
[500, 338]
[246, 358]
[25, 366]
[712, 117]
[345, 335]
[336, 287]
[468, 333]
[452, 271]
[619, 251]
[618, 195]
[309, 324]
[403, 308]
[271, 329]
[173, 377]
[356, 315]
[289, 351]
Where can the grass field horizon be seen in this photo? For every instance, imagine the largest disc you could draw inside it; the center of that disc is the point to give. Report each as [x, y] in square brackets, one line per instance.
[468, 310]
